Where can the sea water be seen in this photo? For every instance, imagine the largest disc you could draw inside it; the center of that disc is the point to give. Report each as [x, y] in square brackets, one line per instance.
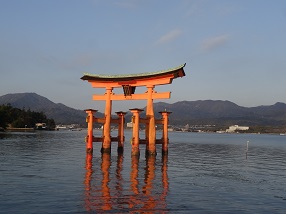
[49, 172]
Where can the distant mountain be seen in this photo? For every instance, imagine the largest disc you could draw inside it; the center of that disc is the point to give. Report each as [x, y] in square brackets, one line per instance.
[212, 112]
[223, 112]
[59, 112]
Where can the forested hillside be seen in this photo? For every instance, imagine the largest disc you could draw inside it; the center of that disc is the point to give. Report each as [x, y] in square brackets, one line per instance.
[22, 118]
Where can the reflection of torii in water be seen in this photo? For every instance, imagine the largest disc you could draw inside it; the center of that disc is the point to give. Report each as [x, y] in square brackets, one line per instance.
[104, 194]
[129, 84]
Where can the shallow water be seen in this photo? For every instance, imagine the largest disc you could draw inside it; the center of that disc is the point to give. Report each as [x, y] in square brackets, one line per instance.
[49, 172]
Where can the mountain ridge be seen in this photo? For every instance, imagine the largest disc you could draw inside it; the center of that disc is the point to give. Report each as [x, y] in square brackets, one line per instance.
[61, 113]
[216, 112]
[224, 112]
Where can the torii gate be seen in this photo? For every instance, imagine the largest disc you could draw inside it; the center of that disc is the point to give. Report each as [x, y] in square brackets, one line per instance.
[129, 83]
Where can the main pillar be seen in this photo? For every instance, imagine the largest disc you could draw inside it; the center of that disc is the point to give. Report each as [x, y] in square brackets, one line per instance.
[89, 137]
[106, 144]
[151, 128]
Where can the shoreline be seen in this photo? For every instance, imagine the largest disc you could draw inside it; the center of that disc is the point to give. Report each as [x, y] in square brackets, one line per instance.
[20, 130]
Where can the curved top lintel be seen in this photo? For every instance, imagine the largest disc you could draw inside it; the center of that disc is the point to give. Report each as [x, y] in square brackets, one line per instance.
[125, 79]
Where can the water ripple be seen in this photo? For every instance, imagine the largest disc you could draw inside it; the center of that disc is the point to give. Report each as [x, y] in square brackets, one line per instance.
[49, 172]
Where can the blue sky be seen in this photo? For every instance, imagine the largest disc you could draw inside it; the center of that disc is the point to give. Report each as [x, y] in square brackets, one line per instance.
[234, 49]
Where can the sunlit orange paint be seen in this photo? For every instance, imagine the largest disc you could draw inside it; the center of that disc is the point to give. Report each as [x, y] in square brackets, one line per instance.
[135, 123]
[89, 138]
[121, 137]
[165, 138]
[151, 143]
[129, 83]
[106, 144]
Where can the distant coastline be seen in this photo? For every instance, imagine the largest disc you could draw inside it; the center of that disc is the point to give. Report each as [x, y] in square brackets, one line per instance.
[20, 130]
[208, 115]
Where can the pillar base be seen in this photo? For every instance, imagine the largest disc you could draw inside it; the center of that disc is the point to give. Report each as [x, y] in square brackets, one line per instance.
[105, 150]
[150, 153]
[89, 150]
[165, 152]
[120, 149]
[135, 152]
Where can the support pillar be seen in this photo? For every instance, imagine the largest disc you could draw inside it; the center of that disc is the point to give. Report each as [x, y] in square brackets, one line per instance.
[121, 137]
[165, 138]
[89, 137]
[135, 137]
[106, 144]
[151, 128]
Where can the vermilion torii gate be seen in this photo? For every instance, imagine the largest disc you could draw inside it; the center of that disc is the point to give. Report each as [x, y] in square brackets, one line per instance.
[129, 83]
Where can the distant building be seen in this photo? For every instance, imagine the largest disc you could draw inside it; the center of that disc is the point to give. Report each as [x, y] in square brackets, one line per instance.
[61, 127]
[40, 126]
[235, 128]
[129, 125]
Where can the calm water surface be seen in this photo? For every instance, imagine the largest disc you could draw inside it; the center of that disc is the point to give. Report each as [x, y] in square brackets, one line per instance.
[49, 172]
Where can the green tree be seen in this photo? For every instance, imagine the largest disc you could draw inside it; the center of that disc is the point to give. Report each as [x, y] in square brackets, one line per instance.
[19, 118]
[5, 115]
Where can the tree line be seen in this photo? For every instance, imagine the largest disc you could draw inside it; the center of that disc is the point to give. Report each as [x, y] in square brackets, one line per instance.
[21, 118]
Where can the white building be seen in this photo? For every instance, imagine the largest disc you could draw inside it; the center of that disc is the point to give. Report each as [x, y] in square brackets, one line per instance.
[129, 125]
[235, 128]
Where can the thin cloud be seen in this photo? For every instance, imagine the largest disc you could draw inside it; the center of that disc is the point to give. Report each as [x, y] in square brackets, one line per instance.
[170, 36]
[214, 42]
